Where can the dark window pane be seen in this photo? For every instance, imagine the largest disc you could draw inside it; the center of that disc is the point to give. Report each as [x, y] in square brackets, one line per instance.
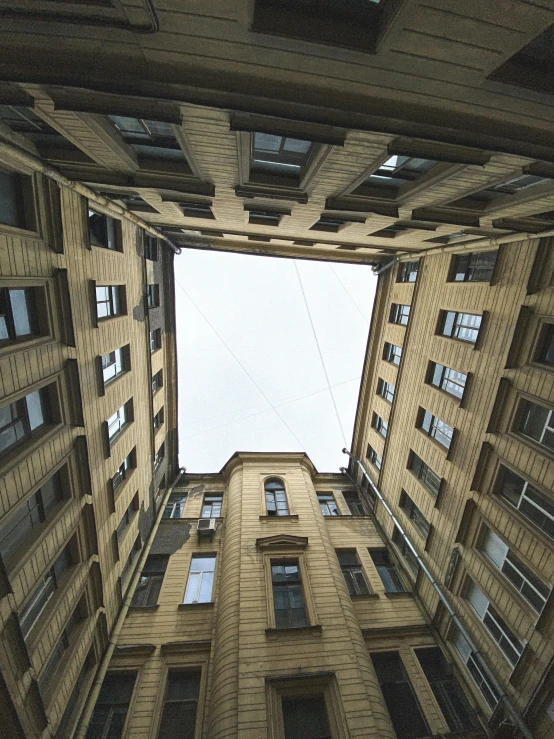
[305, 718]
[111, 707]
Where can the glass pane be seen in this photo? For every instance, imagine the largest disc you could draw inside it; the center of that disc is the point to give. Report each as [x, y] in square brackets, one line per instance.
[297, 145]
[495, 548]
[477, 599]
[20, 312]
[191, 593]
[206, 587]
[305, 718]
[34, 409]
[202, 564]
[267, 142]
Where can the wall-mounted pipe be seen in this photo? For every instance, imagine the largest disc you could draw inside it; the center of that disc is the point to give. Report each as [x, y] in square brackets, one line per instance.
[504, 698]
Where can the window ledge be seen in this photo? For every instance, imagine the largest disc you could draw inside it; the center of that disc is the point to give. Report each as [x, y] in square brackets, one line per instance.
[406, 594]
[201, 606]
[364, 596]
[289, 517]
[144, 608]
[314, 629]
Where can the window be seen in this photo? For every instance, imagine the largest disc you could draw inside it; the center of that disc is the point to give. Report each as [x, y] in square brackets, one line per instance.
[355, 505]
[150, 582]
[16, 532]
[399, 170]
[510, 187]
[196, 210]
[545, 350]
[158, 419]
[19, 315]
[380, 425]
[137, 545]
[15, 189]
[528, 500]
[288, 598]
[407, 272]
[435, 428]
[180, 705]
[414, 514]
[109, 301]
[123, 471]
[521, 577]
[385, 390]
[353, 573]
[447, 690]
[150, 139]
[157, 382]
[275, 498]
[471, 660]
[279, 155]
[264, 217]
[425, 474]
[496, 626]
[153, 295]
[405, 550]
[104, 231]
[159, 456]
[66, 724]
[461, 326]
[44, 590]
[329, 223]
[447, 379]
[387, 571]
[62, 644]
[23, 419]
[405, 712]
[151, 248]
[126, 519]
[110, 711]
[120, 419]
[476, 267]
[373, 457]
[327, 504]
[305, 718]
[537, 422]
[115, 363]
[155, 340]
[392, 353]
[201, 579]
[399, 314]
[175, 505]
[211, 507]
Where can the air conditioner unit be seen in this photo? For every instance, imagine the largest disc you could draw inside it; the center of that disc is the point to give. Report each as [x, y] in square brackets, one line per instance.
[206, 527]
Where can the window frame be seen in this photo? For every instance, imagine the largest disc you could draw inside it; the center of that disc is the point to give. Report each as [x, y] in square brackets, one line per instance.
[406, 270]
[286, 508]
[469, 271]
[201, 555]
[48, 395]
[385, 390]
[435, 429]
[173, 506]
[471, 663]
[116, 675]
[25, 198]
[115, 300]
[523, 406]
[379, 424]
[412, 511]
[328, 498]
[389, 353]
[212, 504]
[390, 566]
[124, 364]
[151, 247]
[153, 295]
[155, 340]
[533, 526]
[399, 314]
[424, 468]
[180, 669]
[445, 379]
[123, 472]
[110, 223]
[374, 458]
[458, 326]
[36, 296]
[125, 414]
[353, 570]
[154, 578]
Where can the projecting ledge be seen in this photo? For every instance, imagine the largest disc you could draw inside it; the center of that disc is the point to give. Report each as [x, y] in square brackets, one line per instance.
[273, 633]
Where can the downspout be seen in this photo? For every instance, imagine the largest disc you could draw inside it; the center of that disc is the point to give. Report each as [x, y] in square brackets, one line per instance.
[512, 710]
[36, 165]
[384, 267]
[92, 696]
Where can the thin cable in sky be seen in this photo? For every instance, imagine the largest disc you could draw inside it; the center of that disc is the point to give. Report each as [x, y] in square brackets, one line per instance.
[320, 354]
[265, 410]
[243, 368]
[348, 293]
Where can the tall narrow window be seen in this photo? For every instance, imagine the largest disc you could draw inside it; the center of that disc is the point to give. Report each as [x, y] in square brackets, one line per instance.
[353, 573]
[175, 505]
[380, 425]
[56, 657]
[135, 549]
[387, 571]
[104, 231]
[373, 457]
[115, 363]
[201, 579]
[153, 295]
[23, 419]
[110, 301]
[355, 505]
[476, 267]
[288, 597]
[305, 718]
[404, 709]
[158, 418]
[537, 422]
[180, 705]
[275, 498]
[471, 660]
[123, 471]
[126, 519]
[405, 550]
[151, 248]
[435, 428]
[495, 624]
[526, 582]
[157, 382]
[18, 529]
[414, 514]
[211, 508]
[15, 190]
[120, 419]
[407, 271]
[392, 353]
[449, 380]
[19, 314]
[447, 690]
[528, 500]
[110, 711]
[425, 474]
[151, 579]
[399, 314]
[385, 390]
[155, 340]
[160, 455]
[462, 326]
[545, 347]
[327, 504]
[44, 590]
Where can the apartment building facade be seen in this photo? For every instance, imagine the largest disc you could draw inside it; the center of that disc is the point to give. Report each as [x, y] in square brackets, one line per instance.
[88, 434]
[453, 428]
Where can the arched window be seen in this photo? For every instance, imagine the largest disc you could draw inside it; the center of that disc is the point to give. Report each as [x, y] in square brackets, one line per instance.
[275, 498]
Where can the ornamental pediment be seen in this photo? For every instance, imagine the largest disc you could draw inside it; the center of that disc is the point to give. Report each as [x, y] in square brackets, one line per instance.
[282, 541]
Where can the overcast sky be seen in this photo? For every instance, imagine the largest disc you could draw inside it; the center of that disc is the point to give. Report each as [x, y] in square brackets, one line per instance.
[245, 343]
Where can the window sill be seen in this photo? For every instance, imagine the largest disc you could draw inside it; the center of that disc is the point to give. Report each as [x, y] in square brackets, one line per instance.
[12, 347]
[137, 609]
[273, 632]
[406, 594]
[289, 517]
[201, 606]
[364, 596]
